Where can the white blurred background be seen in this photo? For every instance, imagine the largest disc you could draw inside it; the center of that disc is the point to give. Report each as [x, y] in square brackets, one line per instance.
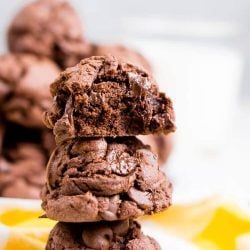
[200, 51]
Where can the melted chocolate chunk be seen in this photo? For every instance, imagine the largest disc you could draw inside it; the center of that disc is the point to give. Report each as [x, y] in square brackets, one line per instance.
[124, 234]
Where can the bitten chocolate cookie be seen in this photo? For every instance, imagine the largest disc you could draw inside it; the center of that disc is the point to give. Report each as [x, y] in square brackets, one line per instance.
[161, 145]
[123, 53]
[104, 179]
[48, 28]
[103, 96]
[125, 234]
[22, 171]
[24, 88]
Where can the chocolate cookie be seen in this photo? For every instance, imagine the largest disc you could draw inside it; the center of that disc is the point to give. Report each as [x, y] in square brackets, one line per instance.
[69, 54]
[103, 96]
[124, 234]
[22, 171]
[123, 53]
[72, 55]
[161, 145]
[24, 88]
[48, 28]
[104, 179]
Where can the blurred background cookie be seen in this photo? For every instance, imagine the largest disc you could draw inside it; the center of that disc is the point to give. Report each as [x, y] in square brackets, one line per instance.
[123, 53]
[22, 170]
[25, 143]
[161, 145]
[25, 81]
[48, 28]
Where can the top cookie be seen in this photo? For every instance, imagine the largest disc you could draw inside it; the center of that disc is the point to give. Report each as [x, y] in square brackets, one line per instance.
[102, 96]
[48, 28]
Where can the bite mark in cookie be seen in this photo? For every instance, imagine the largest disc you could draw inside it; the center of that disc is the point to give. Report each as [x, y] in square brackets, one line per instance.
[104, 97]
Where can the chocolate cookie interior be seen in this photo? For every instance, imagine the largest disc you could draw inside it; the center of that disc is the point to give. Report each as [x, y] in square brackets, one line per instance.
[102, 96]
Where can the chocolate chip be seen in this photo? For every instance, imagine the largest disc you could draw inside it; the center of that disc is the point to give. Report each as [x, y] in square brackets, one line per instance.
[147, 157]
[141, 198]
[98, 237]
[121, 162]
[121, 227]
[110, 213]
[91, 149]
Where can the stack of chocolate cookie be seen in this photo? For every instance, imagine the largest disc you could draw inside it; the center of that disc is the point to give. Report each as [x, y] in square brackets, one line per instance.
[52, 29]
[101, 177]
[44, 37]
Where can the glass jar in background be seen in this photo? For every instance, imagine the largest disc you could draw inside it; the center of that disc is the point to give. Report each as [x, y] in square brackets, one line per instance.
[195, 66]
[199, 67]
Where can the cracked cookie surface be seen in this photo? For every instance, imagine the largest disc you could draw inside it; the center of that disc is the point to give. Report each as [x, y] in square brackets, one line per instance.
[49, 28]
[24, 88]
[104, 179]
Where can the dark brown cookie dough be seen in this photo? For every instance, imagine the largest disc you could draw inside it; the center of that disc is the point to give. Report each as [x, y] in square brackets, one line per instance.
[125, 234]
[103, 96]
[22, 171]
[24, 88]
[123, 53]
[161, 145]
[49, 28]
[104, 179]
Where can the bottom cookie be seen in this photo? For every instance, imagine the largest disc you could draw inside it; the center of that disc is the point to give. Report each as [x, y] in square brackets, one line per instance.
[125, 234]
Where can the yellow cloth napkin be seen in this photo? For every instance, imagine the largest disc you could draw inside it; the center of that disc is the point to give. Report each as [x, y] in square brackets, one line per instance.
[210, 225]
[22, 229]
